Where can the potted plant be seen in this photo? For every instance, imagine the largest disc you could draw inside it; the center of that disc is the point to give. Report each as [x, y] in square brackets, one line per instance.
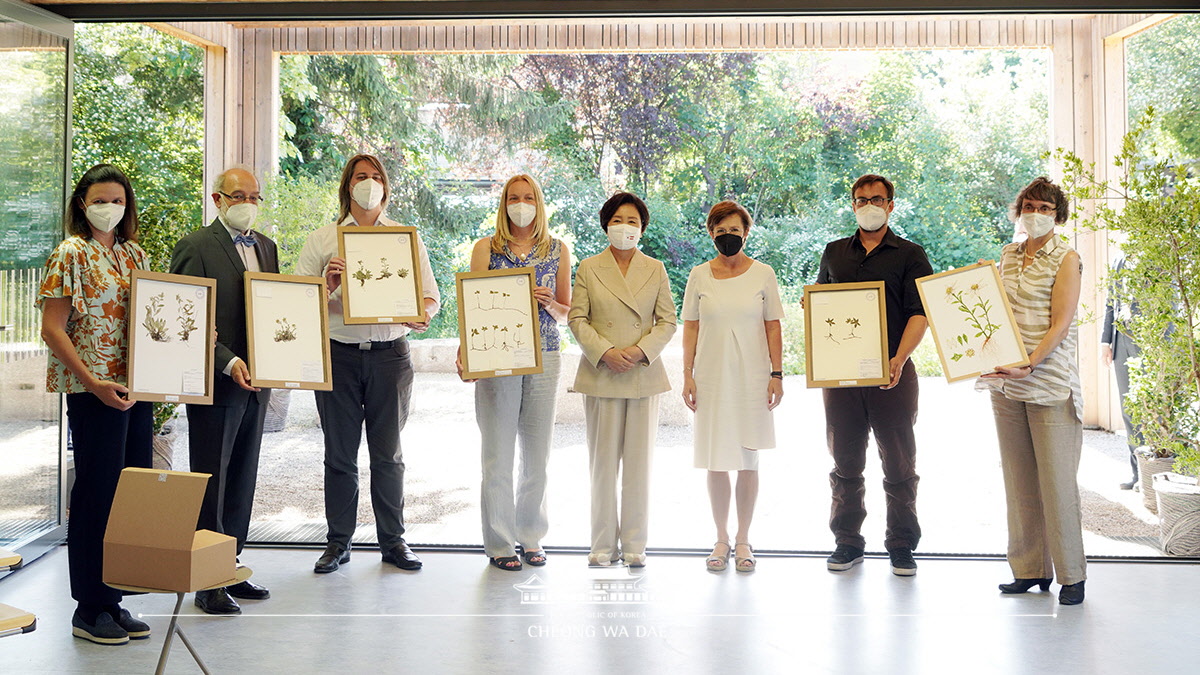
[1155, 204]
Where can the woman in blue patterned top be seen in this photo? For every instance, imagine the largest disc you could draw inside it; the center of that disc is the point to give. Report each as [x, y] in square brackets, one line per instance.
[521, 405]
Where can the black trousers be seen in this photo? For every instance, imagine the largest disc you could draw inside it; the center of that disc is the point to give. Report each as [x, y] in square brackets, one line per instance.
[105, 440]
[370, 387]
[850, 415]
[224, 440]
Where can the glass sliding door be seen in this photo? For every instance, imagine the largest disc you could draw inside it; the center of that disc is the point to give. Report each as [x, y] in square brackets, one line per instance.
[35, 53]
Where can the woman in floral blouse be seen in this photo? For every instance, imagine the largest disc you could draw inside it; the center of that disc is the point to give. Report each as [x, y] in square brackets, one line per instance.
[85, 303]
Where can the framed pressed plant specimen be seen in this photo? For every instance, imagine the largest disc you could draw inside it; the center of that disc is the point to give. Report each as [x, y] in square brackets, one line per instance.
[498, 323]
[845, 335]
[171, 342]
[287, 330]
[382, 283]
[971, 321]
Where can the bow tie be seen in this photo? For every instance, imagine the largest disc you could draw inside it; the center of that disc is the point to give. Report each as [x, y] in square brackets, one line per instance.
[245, 240]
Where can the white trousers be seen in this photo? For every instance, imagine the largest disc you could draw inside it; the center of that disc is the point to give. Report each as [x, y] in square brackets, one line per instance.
[621, 434]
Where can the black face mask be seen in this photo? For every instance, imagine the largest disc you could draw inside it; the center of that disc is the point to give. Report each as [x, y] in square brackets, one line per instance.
[729, 244]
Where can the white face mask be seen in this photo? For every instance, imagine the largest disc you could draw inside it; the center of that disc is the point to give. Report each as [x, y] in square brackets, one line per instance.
[367, 193]
[1036, 224]
[104, 217]
[521, 213]
[241, 216]
[624, 237]
[870, 217]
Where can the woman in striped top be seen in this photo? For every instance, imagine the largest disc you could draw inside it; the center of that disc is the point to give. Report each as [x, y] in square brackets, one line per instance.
[1038, 408]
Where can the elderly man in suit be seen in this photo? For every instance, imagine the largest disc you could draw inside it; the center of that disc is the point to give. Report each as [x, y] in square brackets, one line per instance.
[623, 316]
[224, 438]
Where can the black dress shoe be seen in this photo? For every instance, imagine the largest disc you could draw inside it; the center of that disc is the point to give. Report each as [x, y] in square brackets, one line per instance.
[331, 559]
[1022, 585]
[217, 602]
[1071, 595]
[402, 556]
[247, 590]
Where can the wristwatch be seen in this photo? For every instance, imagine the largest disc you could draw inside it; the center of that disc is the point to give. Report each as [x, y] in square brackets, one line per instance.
[777, 374]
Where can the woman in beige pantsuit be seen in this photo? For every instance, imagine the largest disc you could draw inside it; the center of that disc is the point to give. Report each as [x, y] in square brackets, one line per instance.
[1038, 408]
[622, 315]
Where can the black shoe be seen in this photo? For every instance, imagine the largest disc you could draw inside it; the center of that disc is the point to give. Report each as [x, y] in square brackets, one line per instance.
[247, 590]
[1071, 595]
[217, 601]
[333, 558]
[1129, 485]
[844, 557]
[903, 564]
[402, 556]
[103, 631]
[136, 628]
[1022, 585]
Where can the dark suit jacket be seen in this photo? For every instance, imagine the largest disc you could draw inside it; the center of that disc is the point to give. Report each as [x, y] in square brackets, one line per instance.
[210, 252]
[1122, 346]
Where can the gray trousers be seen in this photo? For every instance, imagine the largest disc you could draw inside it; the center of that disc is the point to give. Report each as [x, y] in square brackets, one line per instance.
[1039, 454]
[371, 387]
[508, 408]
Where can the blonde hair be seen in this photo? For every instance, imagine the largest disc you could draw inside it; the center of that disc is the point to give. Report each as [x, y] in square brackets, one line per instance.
[348, 173]
[541, 229]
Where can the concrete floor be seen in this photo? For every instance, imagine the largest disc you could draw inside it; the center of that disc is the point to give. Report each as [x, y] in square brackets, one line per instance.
[792, 616]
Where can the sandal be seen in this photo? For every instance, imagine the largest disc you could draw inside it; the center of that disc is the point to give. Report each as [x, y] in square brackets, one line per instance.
[509, 563]
[717, 562]
[744, 563]
[535, 558]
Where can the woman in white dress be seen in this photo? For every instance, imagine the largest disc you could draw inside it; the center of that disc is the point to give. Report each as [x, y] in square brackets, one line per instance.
[732, 374]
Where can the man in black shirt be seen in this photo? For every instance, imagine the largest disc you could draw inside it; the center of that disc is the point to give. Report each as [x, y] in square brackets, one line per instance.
[875, 253]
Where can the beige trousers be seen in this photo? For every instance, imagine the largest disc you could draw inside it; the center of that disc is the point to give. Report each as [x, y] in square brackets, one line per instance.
[621, 434]
[1039, 453]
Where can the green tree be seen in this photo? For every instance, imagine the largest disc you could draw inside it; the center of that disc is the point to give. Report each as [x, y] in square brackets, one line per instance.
[139, 105]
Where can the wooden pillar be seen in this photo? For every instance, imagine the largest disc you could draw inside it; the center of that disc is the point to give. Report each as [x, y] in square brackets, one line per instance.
[258, 107]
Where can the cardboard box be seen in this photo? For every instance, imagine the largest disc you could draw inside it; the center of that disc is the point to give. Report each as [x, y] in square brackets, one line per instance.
[152, 542]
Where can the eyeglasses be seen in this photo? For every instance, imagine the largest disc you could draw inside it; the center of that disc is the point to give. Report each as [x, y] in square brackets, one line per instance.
[240, 199]
[1044, 210]
[874, 201]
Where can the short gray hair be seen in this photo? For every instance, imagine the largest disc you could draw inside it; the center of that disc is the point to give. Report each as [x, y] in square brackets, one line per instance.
[219, 182]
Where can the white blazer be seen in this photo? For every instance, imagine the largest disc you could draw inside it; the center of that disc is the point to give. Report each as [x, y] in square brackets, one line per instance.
[610, 310]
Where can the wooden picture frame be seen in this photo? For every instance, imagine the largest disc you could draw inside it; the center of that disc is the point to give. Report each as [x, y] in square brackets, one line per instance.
[172, 318]
[845, 335]
[382, 281]
[971, 321]
[287, 331]
[498, 325]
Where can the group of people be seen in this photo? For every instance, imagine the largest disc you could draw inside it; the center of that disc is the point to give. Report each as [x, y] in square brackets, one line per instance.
[621, 312]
